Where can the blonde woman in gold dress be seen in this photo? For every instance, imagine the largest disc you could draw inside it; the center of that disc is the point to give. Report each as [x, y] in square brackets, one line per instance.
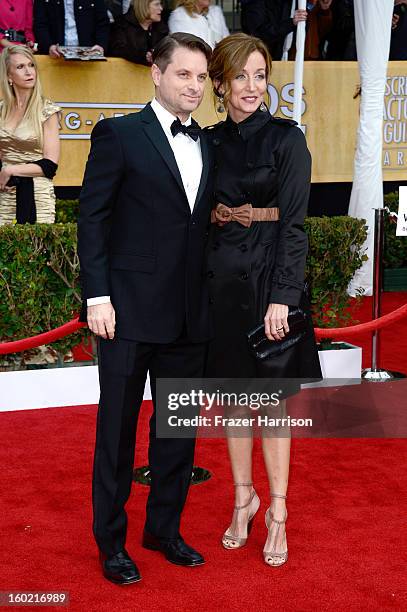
[29, 141]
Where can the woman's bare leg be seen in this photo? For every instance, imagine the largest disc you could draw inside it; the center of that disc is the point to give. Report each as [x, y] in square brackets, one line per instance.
[276, 453]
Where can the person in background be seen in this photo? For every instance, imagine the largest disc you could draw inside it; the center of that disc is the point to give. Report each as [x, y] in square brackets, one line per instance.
[16, 15]
[134, 35]
[71, 23]
[29, 141]
[319, 24]
[199, 17]
[117, 8]
[342, 38]
[398, 44]
[271, 21]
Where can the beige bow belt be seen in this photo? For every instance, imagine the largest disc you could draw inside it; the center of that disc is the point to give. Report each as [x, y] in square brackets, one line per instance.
[244, 214]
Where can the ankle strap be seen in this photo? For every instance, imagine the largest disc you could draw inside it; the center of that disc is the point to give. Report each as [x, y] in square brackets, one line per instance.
[278, 495]
[243, 484]
[252, 494]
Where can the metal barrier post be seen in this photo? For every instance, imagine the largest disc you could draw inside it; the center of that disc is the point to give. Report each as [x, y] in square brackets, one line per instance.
[375, 373]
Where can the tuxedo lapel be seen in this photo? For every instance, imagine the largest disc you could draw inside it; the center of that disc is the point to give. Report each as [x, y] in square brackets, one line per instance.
[157, 136]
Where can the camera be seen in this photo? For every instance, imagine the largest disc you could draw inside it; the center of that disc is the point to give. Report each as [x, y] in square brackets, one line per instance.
[14, 35]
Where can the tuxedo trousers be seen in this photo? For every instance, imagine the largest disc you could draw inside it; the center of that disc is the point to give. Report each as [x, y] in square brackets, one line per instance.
[123, 367]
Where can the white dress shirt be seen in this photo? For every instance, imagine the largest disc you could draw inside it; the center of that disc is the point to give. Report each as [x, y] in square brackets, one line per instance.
[71, 33]
[187, 153]
[211, 27]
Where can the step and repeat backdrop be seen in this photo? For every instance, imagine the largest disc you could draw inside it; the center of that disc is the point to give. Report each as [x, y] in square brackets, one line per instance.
[88, 92]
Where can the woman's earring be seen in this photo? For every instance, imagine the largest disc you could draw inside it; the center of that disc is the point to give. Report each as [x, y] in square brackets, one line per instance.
[221, 105]
[263, 107]
[10, 83]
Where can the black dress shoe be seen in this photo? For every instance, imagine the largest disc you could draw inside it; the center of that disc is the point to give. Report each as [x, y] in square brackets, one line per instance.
[175, 551]
[119, 568]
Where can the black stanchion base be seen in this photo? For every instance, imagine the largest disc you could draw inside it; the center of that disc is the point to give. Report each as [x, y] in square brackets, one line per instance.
[378, 375]
[141, 475]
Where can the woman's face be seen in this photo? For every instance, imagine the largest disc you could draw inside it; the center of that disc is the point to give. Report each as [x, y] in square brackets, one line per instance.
[156, 9]
[248, 88]
[202, 5]
[22, 71]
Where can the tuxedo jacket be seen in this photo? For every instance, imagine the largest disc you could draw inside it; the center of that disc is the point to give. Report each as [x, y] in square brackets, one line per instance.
[92, 23]
[137, 238]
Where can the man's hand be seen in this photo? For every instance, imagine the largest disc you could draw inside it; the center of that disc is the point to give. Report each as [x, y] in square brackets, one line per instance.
[98, 49]
[54, 51]
[275, 321]
[102, 320]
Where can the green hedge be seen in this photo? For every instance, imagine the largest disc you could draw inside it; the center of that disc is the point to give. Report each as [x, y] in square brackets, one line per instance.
[395, 249]
[335, 253]
[39, 270]
[38, 281]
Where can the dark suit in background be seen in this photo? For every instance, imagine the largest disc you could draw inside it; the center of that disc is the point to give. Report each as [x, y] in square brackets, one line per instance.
[140, 244]
[270, 21]
[92, 23]
[132, 42]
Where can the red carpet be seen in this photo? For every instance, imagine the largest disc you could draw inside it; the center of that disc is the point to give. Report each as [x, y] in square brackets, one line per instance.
[346, 526]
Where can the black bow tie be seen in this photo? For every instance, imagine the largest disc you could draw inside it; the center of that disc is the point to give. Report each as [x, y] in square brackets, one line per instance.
[192, 130]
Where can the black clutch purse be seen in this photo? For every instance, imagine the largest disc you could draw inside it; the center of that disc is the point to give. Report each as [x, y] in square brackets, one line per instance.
[262, 348]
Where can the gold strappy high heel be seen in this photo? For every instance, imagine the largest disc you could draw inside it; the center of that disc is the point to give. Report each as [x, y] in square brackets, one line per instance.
[269, 554]
[239, 542]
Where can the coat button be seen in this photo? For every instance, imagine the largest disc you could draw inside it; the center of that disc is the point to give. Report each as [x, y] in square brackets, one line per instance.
[243, 248]
[244, 276]
[216, 142]
[210, 274]
[250, 164]
[211, 300]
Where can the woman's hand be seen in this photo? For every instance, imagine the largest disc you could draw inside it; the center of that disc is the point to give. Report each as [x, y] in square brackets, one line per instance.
[275, 321]
[5, 175]
[299, 15]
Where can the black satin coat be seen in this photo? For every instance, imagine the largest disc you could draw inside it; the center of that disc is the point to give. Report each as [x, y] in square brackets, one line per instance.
[264, 161]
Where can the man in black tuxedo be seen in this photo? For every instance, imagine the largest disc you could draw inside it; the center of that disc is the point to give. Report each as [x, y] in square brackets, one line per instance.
[144, 211]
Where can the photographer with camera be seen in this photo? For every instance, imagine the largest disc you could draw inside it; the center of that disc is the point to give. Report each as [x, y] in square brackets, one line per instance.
[16, 24]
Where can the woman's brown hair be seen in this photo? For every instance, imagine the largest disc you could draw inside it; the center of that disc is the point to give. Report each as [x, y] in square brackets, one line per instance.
[230, 56]
[142, 10]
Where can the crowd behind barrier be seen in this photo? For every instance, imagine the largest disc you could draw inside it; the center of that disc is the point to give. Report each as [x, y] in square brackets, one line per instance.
[131, 28]
[134, 28]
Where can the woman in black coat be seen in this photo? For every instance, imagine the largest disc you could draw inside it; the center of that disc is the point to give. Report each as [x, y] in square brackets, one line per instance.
[135, 34]
[256, 263]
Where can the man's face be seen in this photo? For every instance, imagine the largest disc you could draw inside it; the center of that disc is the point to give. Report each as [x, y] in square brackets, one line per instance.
[180, 88]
